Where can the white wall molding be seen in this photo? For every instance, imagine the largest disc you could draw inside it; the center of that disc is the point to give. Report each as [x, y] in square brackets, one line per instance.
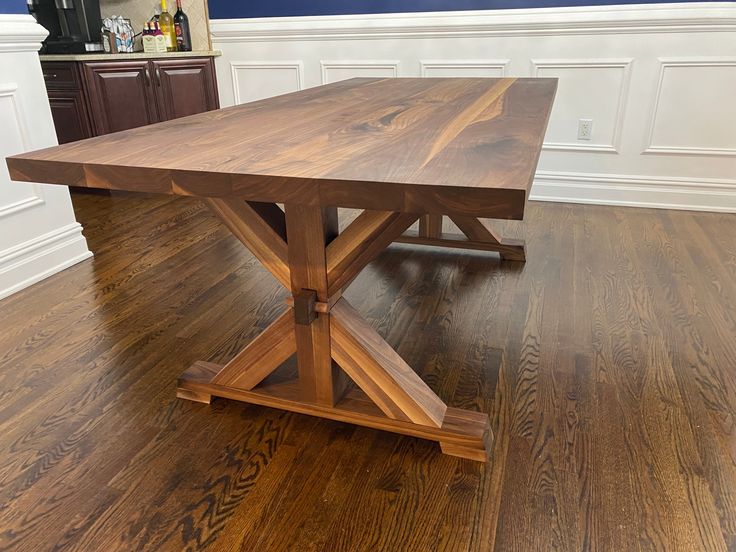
[362, 68]
[35, 259]
[614, 143]
[41, 257]
[10, 90]
[294, 68]
[636, 191]
[657, 77]
[463, 67]
[38, 233]
[35, 196]
[646, 18]
[688, 62]
[20, 33]
[14, 207]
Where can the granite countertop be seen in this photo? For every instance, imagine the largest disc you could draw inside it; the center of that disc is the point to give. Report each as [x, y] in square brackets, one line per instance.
[102, 56]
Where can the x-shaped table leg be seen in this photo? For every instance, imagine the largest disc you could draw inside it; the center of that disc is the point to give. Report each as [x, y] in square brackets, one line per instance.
[331, 340]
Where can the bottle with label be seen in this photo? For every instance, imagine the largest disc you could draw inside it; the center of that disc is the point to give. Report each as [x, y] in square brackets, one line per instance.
[181, 26]
[159, 38]
[148, 38]
[167, 28]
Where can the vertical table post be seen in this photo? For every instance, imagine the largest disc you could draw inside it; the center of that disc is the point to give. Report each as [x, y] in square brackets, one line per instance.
[309, 230]
[430, 226]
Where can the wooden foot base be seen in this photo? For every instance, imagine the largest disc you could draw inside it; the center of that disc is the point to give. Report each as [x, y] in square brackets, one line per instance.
[509, 249]
[477, 454]
[195, 396]
[463, 433]
[475, 235]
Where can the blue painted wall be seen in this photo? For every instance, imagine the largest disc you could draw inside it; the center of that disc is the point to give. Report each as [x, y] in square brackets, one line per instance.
[233, 9]
[13, 6]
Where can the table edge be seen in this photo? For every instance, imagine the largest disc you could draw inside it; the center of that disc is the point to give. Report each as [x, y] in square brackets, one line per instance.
[502, 203]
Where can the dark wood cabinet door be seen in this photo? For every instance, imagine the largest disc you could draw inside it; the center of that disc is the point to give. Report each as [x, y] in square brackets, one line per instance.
[61, 75]
[120, 95]
[69, 111]
[184, 86]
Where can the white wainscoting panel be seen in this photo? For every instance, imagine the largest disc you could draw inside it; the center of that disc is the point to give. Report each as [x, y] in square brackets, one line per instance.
[334, 71]
[255, 80]
[598, 90]
[38, 233]
[15, 139]
[694, 110]
[463, 68]
[657, 80]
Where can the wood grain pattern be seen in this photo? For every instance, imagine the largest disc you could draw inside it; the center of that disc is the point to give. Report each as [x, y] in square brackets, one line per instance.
[273, 215]
[311, 229]
[261, 356]
[477, 231]
[512, 249]
[463, 429]
[604, 363]
[478, 453]
[383, 144]
[430, 226]
[380, 372]
[361, 242]
[319, 257]
[489, 105]
[256, 233]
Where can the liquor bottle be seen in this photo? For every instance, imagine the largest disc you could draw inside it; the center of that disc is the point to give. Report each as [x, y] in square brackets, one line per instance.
[159, 38]
[167, 27]
[149, 41]
[181, 26]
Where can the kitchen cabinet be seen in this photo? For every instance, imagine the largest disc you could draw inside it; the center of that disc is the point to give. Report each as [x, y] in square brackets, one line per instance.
[67, 101]
[184, 87]
[95, 97]
[71, 118]
[120, 95]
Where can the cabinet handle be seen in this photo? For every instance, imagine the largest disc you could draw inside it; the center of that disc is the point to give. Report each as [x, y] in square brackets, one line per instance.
[158, 76]
[51, 76]
[146, 77]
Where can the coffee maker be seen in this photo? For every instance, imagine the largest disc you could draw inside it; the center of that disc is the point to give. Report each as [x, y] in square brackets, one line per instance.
[73, 25]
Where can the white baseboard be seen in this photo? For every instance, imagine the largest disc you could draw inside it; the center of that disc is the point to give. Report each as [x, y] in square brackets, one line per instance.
[636, 191]
[34, 260]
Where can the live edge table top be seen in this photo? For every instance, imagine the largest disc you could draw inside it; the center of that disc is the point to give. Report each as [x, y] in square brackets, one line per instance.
[467, 146]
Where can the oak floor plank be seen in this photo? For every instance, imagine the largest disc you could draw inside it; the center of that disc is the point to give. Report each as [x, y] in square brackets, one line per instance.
[694, 351]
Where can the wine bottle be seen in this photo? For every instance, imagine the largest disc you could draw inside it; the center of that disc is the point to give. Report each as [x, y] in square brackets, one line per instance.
[159, 38]
[181, 26]
[167, 27]
[149, 41]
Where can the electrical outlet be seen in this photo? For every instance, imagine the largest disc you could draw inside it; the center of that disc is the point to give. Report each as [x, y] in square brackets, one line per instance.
[585, 129]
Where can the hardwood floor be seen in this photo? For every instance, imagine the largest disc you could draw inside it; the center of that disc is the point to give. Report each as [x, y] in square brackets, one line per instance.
[607, 362]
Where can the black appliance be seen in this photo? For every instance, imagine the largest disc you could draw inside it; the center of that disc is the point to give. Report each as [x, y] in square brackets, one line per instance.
[73, 25]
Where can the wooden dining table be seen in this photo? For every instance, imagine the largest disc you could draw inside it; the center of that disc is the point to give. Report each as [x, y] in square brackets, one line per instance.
[401, 150]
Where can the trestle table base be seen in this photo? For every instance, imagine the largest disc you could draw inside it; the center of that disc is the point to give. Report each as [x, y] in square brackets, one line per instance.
[332, 342]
